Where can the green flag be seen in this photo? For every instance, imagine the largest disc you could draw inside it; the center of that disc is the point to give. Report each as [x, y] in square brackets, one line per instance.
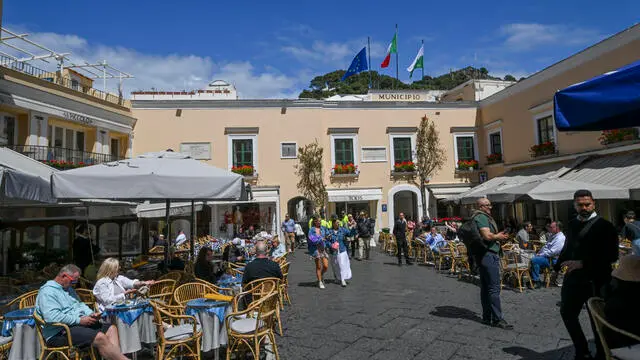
[418, 62]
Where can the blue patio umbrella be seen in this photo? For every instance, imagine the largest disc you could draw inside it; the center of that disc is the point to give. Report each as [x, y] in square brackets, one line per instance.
[609, 101]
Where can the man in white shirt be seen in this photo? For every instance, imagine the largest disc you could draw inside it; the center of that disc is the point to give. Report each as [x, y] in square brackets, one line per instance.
[181, 238]
[548, 253]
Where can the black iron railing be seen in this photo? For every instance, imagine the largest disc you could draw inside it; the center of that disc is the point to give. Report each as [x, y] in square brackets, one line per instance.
[63, 158]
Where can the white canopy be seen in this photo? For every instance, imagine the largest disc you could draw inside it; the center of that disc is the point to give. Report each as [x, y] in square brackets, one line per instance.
[555, 189]
[162, 175]
[20, 186]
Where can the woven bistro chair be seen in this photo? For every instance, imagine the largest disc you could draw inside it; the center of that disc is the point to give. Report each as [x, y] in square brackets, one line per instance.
[87, 297]
[15, 303]
[284, 285]
[69, 351]
[162, 290]
[261, 288]
[182, 339]
[216, 288]
[461, 259]
[28, 300]
[250, 328]
[173, 275]
[513, 266]
[84, 283]
[392, 248]
[5, 346]
[190, 291]
[445, 253]
[596, 311]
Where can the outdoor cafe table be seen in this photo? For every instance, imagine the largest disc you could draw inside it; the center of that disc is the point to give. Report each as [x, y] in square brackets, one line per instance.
[21, 324]
[210, 315]
[135, 324]
[233, 282]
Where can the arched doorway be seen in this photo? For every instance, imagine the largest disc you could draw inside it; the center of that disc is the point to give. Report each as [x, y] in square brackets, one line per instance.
[404, 198]
[300, 209]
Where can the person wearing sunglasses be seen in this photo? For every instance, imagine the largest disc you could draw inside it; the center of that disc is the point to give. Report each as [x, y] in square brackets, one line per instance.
[57, 302]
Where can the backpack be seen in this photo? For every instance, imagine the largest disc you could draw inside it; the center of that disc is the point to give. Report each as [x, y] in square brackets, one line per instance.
[363, 228]
[471, 238]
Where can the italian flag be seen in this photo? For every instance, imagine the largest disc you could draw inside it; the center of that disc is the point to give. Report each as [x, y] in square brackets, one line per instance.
[392, 49]
[418, 62]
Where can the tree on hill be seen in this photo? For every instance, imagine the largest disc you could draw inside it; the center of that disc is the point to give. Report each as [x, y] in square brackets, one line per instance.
[329, 84]
[509, 77]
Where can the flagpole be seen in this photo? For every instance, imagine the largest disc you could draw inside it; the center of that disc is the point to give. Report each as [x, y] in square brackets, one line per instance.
[397, 65]
[422, 61]
[369, 51]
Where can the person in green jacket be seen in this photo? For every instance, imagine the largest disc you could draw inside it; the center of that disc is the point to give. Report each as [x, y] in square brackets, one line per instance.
[57, 302]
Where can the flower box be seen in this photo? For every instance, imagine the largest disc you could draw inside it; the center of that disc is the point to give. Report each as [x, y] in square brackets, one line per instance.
[467, 165]
[405, 166]
[64, 165]
[618, 135]
[347, 169]
[546, 148]
[494, 158]
[244, 170]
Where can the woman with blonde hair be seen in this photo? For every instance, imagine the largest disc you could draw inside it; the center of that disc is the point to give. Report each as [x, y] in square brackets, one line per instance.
[111, 287]
[317, 248]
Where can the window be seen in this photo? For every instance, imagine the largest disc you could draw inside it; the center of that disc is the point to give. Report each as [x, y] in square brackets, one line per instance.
[66, 138]
[402, 149]
[545, 129]
[8, 131]
[464, 148]
[115, 148]
[242, 152]
[288, 150]
[374, 154]
[344, 153]
[495, 143]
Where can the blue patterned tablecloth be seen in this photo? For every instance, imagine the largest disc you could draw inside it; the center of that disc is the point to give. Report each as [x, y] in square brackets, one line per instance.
[210, 306]
[22, 316]
[128, 313]
[227, 280]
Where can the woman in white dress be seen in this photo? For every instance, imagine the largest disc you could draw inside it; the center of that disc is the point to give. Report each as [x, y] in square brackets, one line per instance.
[339, 257]
[111, 287]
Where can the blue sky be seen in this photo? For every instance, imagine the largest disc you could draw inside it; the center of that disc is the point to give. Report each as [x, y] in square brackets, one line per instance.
[273, 48]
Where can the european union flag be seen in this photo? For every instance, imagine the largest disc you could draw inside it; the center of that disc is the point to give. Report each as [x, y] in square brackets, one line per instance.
[358, 65]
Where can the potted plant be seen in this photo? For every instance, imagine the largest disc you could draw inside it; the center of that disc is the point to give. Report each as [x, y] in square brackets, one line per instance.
[546, 148]
[467, 164]
[345, 169]
[404, 166]
[494, 158]
[244, 170]
[618, 135]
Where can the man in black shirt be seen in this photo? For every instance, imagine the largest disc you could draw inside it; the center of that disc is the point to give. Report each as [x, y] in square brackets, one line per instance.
[262, 267]
[400, 232]
[590, 249]
[631, 231]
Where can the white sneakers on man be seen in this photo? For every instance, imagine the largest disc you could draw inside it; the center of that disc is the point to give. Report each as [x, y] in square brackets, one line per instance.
[344, 283]
[320, 284]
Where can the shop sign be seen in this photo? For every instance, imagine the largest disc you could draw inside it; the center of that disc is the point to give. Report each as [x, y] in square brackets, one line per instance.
[355, 197]
[82, 119]
[197, 150]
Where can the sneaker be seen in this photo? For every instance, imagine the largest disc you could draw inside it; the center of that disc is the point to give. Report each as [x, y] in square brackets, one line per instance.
[320, 284]
[502, 325]
[344, 283]
[409, 262]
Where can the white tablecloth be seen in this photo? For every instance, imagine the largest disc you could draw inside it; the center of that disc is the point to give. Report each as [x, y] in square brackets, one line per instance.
[141, 331]
[214, 331]
[25, 343]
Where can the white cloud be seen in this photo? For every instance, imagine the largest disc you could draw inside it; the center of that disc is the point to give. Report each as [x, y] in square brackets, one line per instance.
[333, 53]
[168, 71]
[527, 36]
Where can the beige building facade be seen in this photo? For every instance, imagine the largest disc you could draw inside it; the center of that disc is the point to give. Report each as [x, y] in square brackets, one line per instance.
[507, 128]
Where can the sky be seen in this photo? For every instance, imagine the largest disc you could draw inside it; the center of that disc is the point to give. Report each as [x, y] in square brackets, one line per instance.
[272, 49]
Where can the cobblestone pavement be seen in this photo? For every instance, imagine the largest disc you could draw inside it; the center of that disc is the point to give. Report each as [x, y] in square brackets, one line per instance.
[412, 312]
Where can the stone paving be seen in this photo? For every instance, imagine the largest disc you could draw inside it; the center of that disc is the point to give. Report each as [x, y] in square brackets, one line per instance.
[412, 312]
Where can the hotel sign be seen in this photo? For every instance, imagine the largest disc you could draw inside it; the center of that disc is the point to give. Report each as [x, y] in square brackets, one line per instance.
[82, 119]
[401, 96]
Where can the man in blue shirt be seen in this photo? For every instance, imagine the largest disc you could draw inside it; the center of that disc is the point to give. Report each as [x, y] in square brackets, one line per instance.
[434, 240]
[551, 250]
[289, 229]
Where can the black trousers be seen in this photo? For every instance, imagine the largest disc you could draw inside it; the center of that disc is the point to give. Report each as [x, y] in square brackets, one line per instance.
[489, 268]
[402, 249]
[576, 290]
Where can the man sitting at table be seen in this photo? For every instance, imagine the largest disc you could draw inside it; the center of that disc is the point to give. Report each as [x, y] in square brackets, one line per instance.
[262, 267]
[278, 249]
[233, 252]
[434, 239]
[551, 250]
[57, 302]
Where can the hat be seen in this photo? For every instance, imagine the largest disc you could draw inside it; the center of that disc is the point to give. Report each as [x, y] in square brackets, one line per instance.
[236, 241]
[628, 269]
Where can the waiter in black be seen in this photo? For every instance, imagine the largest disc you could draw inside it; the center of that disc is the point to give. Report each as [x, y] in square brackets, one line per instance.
[589, 251]
[400, 232]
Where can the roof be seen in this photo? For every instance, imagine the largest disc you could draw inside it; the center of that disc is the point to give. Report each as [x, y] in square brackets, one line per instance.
[621, 170]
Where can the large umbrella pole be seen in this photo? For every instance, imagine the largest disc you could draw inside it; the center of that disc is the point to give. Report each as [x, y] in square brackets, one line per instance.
[168, 240]
[193, 229]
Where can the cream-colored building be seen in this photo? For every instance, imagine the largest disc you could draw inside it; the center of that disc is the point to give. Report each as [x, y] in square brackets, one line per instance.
[499, 124]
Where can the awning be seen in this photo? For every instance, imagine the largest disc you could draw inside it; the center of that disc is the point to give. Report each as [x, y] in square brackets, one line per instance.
[448, 193]
[266, 194]
[620, 170]
[514, 177]
[556, 189]
[159, 210]
[353, 195]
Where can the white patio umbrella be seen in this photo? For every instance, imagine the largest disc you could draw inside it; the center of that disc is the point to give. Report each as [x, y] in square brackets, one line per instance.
[555, 189]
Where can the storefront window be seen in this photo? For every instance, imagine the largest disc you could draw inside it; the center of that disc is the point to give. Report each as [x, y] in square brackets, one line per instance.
[109, 238]
[34, 235]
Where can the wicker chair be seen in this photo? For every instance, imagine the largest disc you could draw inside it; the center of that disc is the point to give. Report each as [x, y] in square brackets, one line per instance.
[284, 285]
[445, 253]
[190, 291]
[173, 275]
[15, 303]
[259, 289]
[85, 283]
[162, 290]
[87, 297]
[182, 339]
[218, 289]
[511, 265]
[249, 328]
[596, 311]
[68, 351]
[5, 348]
[461, 259]
[28, 300]
[392, 246]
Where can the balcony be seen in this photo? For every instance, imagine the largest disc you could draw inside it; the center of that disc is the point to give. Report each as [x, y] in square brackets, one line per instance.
[61, 158]
[55, 78]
